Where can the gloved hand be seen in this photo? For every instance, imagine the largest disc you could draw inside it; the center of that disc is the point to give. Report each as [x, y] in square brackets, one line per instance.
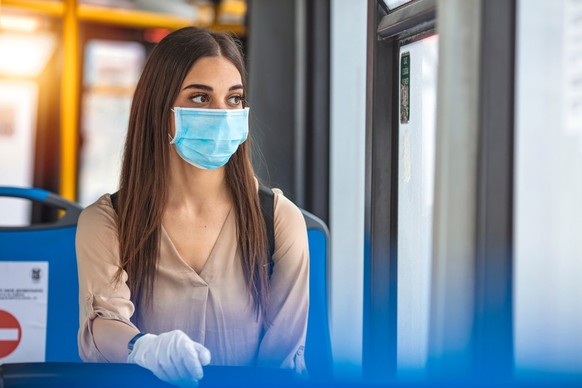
[172, 357]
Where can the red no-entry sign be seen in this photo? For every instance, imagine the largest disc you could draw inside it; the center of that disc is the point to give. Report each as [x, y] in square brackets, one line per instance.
[10, 333]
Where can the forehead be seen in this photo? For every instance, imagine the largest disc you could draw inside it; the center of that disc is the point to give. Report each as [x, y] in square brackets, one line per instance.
[213, 71]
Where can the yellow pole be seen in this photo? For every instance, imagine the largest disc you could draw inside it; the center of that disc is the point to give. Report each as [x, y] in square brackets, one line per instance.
[69, 101]
[130, 18]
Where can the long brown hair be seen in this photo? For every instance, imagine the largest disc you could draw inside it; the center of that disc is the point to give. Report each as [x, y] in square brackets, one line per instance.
[143, 183]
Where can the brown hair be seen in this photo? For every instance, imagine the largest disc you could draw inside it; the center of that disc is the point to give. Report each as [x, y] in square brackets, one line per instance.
[142, 191]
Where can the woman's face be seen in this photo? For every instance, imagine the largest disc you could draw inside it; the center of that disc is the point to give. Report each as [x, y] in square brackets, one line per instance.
[212, 83]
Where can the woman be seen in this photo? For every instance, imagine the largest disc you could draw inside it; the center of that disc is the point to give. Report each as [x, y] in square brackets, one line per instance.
[178, 274]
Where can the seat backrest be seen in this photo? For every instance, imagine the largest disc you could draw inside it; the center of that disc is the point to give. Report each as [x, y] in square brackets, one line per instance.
[39, 308]
[318, 355]
[25, 248]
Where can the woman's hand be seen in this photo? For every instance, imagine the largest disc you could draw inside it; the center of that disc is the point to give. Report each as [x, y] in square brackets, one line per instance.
[172, 357]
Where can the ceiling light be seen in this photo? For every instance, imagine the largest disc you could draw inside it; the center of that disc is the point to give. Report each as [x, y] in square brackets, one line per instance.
[18, 23]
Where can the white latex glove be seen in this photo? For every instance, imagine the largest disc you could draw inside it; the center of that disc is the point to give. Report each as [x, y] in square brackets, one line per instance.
[172, 357]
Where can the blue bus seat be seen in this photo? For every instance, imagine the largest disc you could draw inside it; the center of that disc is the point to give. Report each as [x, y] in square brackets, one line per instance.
[53, 243]
[318, 354]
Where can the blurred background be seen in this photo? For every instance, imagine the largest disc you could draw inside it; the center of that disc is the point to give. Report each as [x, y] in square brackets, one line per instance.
[440, 140]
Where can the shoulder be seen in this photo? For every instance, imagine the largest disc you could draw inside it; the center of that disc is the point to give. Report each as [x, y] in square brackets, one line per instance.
[97, 237]
[288, 217]
[98, 215]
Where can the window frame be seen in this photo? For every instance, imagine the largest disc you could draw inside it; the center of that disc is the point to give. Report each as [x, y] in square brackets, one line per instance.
[387, 32]
[491, 344]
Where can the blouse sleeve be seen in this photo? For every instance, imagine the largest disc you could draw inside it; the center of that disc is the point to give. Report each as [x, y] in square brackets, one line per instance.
[98, 260]
[283, 343]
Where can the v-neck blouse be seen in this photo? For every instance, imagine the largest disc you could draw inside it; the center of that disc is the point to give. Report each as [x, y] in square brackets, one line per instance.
[213, 307]
[180, 263]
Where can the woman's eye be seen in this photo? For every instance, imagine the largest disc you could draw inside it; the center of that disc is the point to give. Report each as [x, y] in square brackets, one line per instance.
[235, 100]
[199, 99]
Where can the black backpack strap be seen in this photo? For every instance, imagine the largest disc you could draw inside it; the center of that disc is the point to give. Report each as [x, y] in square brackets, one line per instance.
[267, 200]
[115, 200]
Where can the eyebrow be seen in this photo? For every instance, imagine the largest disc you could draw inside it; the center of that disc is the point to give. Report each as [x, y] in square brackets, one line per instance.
[210, 89]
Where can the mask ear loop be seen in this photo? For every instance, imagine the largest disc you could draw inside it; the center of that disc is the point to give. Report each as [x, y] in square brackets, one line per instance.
[172, 139]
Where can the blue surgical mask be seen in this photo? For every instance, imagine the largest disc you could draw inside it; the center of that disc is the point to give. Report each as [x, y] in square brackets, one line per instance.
[207, 138]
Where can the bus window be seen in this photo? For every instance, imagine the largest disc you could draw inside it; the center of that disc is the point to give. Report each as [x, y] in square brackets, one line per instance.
[416, 164]
[112, 69]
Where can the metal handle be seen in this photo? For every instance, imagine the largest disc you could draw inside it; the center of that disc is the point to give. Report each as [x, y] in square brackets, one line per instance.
[72, 209]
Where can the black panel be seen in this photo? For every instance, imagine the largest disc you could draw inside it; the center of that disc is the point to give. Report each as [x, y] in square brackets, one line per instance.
[277, 123]
[317, 109]
[380, 270]
[271, 59]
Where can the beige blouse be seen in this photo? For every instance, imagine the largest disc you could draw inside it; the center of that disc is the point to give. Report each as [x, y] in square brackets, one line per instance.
[213, 307]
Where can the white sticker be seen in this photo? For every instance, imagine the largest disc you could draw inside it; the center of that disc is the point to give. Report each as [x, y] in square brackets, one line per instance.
[23, 311]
